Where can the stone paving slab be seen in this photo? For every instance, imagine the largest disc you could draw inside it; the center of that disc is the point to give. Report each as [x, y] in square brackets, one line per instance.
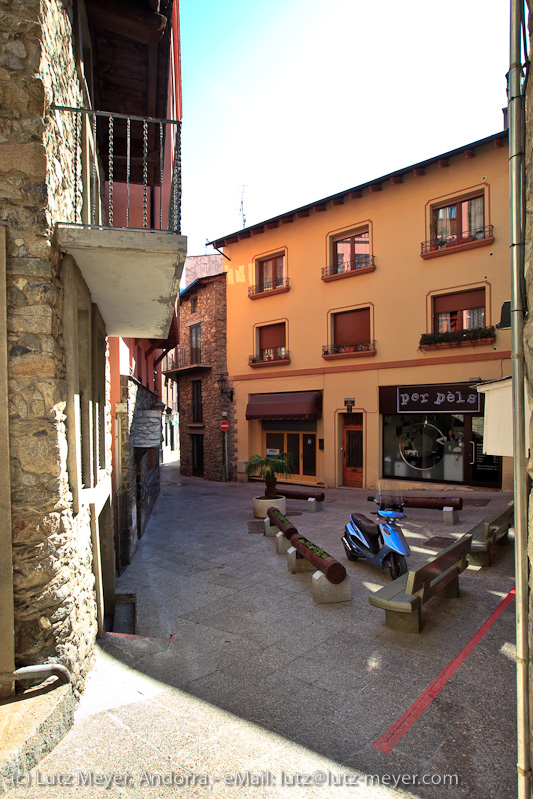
[263, 685]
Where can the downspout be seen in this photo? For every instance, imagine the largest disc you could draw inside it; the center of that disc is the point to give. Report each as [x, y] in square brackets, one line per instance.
[517, 226]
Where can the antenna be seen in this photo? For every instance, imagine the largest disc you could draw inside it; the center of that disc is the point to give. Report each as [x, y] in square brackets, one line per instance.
[243, 215]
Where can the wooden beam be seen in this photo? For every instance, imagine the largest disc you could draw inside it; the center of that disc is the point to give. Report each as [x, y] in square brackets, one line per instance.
[126, 20]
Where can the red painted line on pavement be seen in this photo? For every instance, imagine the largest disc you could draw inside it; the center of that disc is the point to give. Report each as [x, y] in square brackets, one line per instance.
[388, 740]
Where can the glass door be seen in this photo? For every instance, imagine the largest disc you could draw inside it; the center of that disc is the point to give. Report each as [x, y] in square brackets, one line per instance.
[302, 447]
[481, 470]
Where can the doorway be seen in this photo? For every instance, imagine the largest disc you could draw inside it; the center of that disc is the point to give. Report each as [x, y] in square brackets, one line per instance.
[302, 447]
[352, 450]
[197, 465]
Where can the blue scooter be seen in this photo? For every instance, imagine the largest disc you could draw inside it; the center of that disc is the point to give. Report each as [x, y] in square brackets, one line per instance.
[383, 543]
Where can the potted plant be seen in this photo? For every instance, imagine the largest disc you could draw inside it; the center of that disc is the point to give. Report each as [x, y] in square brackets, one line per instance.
[267, 467]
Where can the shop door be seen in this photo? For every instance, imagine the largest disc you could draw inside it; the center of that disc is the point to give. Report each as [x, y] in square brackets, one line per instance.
[480, 469]
[302, 447]
[352, 456]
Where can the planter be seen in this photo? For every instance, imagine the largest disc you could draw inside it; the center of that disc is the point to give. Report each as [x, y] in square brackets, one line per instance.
[262, 504]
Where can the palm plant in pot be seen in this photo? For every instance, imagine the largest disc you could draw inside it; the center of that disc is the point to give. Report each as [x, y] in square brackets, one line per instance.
[267, 468]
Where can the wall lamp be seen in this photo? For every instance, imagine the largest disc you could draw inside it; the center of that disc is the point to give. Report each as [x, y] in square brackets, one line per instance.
[222, 382]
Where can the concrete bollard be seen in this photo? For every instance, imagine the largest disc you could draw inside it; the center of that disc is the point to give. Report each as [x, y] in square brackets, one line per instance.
[282, 544]
[450, 516]
[313, 506]
[270, 529]
[324, 591]
[297, 564]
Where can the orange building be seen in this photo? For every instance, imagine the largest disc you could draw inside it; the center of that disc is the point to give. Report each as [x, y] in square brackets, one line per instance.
[358, 325]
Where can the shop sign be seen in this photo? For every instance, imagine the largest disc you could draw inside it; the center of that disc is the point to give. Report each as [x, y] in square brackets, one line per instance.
[445, 398]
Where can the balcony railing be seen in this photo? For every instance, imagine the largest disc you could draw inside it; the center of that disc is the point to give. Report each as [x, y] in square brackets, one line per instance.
[347, 267]
[126, 170]
[351, 349]
[270, 355]
[269, 285]
[481, 234]
[186, 358]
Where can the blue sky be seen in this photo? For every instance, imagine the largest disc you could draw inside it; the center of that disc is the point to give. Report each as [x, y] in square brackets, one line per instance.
[298, 99]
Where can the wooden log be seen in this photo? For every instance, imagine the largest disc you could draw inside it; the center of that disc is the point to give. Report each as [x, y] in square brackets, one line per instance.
[432, 503]
[291, 494]
[281, 522]
[333, 570]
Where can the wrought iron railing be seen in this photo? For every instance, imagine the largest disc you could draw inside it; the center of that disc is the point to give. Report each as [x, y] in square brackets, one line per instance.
[359, 262]
[184, 357]
[270, 354]
[447, 242]
[364, 346]
[268, 285]
[126, 170]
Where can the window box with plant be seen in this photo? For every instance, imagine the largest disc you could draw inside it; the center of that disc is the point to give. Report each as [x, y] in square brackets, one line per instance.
[457, 338]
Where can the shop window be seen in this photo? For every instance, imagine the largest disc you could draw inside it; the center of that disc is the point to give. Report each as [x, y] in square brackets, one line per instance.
[464, 310]
[271, 344]
[269, 276]
[350, 333]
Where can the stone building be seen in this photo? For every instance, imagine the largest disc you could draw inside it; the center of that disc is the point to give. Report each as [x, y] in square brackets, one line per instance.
[69, 280]
[198, 366]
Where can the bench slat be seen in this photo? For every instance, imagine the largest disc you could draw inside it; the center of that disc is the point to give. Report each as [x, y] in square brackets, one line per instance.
[433, 567]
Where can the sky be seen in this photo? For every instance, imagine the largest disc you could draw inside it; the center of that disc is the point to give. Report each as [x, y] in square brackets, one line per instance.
[288, 101]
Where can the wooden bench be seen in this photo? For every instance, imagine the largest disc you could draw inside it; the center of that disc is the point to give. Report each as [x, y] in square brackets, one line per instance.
[402, 599]
[490, 531]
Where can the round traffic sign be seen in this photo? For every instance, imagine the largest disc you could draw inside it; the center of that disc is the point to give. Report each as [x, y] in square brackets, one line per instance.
[224, 426]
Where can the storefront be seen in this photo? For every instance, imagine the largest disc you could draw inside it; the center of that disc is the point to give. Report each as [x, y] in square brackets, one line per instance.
[289, 423]
[434, 433]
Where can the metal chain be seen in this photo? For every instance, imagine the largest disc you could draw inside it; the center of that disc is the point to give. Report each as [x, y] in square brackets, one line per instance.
[145, 173]
[110, 169]
[160, 176]
[76, 155]
[93, 220]
[128, 162]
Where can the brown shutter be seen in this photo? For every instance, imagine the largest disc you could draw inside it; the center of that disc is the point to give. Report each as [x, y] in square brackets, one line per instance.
[461, 301]
[272, 336]
[351, 327]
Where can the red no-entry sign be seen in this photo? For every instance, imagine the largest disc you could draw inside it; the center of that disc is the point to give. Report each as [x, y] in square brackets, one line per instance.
[224, 426]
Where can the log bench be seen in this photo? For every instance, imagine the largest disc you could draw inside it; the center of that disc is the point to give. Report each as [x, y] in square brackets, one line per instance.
[402, 599]
[450, 506]
[490, 531]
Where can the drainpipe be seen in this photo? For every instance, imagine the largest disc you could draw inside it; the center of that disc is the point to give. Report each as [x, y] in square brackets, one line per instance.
[517, 225]
[40, 672]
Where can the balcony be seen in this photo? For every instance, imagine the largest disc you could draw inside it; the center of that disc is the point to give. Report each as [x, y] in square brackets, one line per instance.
[359, 265]
[122, 221]
[268, 287]
[185, 359]
[471, 239]
[457, 338]
[274, 356]
[330, 352]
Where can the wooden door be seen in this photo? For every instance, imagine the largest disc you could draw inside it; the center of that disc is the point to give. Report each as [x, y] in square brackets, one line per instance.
[352, 456]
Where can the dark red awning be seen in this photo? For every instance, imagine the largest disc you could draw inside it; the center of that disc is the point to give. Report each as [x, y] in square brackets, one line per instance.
[294, 405]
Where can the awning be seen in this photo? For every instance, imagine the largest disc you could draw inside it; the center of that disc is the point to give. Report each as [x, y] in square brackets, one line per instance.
[293, 405]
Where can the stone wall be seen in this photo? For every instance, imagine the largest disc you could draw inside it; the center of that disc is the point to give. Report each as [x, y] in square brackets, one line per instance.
[211, 314]
[55, 615]
[139, 465]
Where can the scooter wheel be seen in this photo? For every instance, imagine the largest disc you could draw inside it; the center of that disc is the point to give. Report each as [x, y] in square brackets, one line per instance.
[397, 565]
[350, 555]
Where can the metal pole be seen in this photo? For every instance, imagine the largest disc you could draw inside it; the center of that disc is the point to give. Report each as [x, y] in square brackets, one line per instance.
[517, 223]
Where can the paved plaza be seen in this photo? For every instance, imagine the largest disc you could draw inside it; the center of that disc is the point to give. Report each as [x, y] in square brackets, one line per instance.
[237, 684]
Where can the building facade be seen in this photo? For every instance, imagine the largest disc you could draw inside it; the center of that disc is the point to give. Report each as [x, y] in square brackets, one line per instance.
[359, 325]
[71, 278]
[198, 367]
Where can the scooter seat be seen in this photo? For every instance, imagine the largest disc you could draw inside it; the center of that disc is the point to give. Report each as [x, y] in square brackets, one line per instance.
[366, 525]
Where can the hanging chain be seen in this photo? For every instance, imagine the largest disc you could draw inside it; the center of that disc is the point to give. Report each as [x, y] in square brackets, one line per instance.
[93, 220]
[145, 173]
[128, 161]
[110, 169]
[76, 156]
[160, 176]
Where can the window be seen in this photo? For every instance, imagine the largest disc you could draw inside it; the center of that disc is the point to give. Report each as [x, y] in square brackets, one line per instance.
[459, 222]
[194, 304]
[197, 401]
[196, 341]
[351, 252]
[461, 311]
[350, 332]
[269, 276]
[271, 344]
